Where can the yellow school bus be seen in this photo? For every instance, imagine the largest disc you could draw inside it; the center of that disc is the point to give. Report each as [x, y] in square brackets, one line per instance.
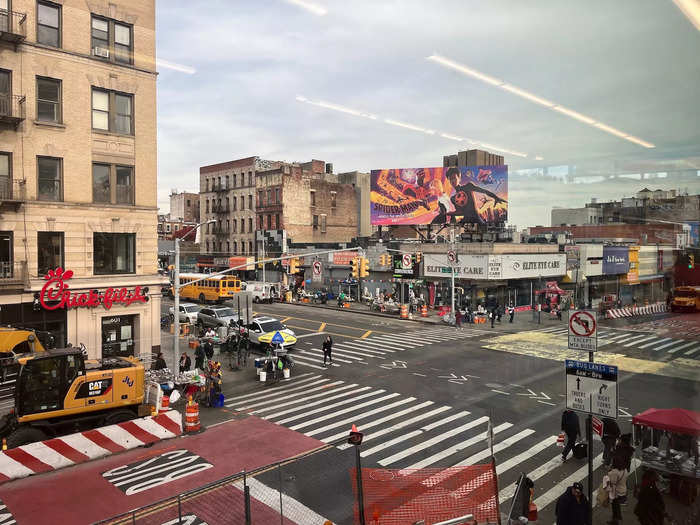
[214, 288]
[686, 298]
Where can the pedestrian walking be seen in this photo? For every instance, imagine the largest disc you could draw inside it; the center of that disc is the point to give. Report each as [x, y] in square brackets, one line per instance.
[572, 506]
[650, 508]
[511, 313]
[185, 362]
[572, 429]
[558, 311]
[617, 489]
[328, 350]
[159, 363]
[199, 356]
[458, 318]
[611, 432]
[492, 316]
[497, 311]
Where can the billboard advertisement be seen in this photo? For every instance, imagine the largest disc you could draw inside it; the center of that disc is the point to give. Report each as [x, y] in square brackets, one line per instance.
[470, 195]
[615, 260]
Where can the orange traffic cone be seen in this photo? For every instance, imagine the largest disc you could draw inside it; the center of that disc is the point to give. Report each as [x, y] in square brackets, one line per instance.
[354, 428]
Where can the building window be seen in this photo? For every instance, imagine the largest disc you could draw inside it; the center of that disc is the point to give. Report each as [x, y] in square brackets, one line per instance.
[206, 205]
[48, 99]
[227, 181]
[323, 223]
[250, 178]
[234, 223]
[250, 225]
[242, 202]
[112, 111]
[260, 222]
[269, 222]
[250, 247]
[112, 184]
[48, 27]
[189, 204]
[269, 196]
[234, 180]
[168, 227]
[315, 222]
[50, 187]
[278, 224]
[260, 199]
[250, 202]
[113, 253]
[313, 198]
[228, 247]
[49, 251]
[235, 248]
[234, 203]
[111, 40]
[207, 246]
[277, 195]
[242, 225]
[5, 176]
[334, 200]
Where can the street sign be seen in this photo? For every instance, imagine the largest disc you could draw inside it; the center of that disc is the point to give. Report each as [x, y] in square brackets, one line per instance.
[583, 330]
[451, 257]
[597, 426]
[317, 269]
[591, 388]
[407, 261]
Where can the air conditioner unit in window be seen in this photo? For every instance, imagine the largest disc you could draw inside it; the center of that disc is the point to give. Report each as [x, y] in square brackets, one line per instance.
[100, 52]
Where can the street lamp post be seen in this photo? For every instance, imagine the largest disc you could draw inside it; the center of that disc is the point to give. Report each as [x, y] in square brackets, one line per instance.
[176, 294]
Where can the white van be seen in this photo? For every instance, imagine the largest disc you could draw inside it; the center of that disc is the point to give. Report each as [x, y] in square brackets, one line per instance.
[261, 292]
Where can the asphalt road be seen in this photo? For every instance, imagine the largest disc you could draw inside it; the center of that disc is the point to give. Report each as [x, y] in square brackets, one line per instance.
[422, 394]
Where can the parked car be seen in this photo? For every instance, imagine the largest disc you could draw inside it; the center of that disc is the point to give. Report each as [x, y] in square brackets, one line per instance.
[188, 312]
[216, 316]
[264, 325]
[261, 292]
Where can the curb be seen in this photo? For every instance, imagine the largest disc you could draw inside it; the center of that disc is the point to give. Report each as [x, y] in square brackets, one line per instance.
[66, 451]
[362, 312]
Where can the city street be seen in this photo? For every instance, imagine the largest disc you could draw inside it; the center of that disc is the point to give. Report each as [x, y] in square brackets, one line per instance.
[422, 393]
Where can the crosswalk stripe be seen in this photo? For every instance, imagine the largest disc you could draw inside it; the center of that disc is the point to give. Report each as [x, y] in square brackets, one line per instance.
[295, 385]
[357, 352]
[673, 342]
[335, 395]
[366, 344]
[312, 365]
[363, 348]
[502, 445]
[618, 337]
[430, 442]
[374, 423]
[637, 339]
[456, 448]
[286, 388]
[656, 342]
[390, 343]
[274, 398]
[558, 489]
[336, 353]
[317, 352]
[401, 425]
[357, 417]
[542, 470]
[307, 360]
[529, 453]
[692, 351]
[333, 405]
[674, 350]
[344, 411]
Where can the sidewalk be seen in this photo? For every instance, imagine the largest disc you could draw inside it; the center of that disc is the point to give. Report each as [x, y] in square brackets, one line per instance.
[674, 508]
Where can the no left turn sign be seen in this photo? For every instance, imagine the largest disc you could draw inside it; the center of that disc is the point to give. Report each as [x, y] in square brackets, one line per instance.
[583, 330]
[317, 267]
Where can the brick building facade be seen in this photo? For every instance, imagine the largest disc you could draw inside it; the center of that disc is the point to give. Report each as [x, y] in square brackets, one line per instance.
[184, 206]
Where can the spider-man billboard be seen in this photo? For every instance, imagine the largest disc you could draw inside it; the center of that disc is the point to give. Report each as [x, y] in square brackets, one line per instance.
[466, 195]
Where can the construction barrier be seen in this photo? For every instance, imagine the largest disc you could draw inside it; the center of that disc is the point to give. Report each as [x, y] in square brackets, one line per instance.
[424, 311]
[184, 329]
[165, 404]
[66, 451]
[404, 311]
[633, 311]
[192, 423]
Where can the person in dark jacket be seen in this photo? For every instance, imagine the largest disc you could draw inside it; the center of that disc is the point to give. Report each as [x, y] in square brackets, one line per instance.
[624, 451]
[199, 356]
[327, 350]
[611, 431]
[650, 508]
[159, 363]
[185, 362]
[572, 429]
[572, 506]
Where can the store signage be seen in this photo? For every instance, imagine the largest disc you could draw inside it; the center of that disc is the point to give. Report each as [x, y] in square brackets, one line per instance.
[465, 267]
[573, 254]
[615, 260]
[55, 294]
[633, 273]
[343, 258]
[403, 266]
[529, 265]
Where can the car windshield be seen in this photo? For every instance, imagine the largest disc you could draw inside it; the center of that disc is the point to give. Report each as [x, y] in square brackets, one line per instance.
[224, 312]
[272, 326]
[192, 309]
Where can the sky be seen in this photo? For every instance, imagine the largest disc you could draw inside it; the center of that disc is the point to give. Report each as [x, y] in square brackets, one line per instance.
[371, 84]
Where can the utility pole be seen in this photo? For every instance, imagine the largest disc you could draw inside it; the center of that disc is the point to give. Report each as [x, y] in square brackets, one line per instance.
[263, 256]
[452, 294]
[589, 437]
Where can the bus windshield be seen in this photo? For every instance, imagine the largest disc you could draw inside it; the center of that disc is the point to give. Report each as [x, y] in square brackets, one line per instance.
[685, 293]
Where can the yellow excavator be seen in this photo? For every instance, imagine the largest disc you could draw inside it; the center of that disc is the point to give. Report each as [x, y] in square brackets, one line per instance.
[60, 391]
[21, 341]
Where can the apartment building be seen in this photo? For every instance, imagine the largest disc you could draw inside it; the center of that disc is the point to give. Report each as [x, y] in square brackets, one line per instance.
[184, 206]
[78, 172]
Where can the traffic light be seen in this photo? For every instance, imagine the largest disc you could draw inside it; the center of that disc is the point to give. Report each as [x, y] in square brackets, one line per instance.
[691, 261]
[419, 255]
[355, 264]
[293, 265]
[382, 259]
[364, 267]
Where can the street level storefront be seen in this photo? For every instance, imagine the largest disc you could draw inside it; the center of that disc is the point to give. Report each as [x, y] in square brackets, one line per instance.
[120, 317]
[14, 312]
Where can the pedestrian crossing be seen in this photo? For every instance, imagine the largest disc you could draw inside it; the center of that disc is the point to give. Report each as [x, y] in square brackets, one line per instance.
[642, 341]
[381, 346]
[406, 433]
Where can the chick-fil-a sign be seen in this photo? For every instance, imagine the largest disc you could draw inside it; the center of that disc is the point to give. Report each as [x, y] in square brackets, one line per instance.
[55, 294]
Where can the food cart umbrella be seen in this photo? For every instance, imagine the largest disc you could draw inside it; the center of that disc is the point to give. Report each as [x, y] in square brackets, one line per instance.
[677, 420]
[278, 338]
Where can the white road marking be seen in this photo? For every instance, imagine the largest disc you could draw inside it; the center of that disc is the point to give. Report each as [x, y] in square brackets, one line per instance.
[664, 346]
[274, 397]
[674, 350]
[290, 402]
[302, 359]
[309, 335]
[363, 348]
[357, 352]
[501, 445]
[316, 352]
[516, 460]
[314, 378]
[638, 339]
[344, 411]
[656, 342]
[317, 402]
[558, 489]
[333, 405]
[692, 351]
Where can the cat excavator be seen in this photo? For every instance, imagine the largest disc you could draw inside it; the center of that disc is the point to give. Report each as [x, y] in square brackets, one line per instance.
[60, 391]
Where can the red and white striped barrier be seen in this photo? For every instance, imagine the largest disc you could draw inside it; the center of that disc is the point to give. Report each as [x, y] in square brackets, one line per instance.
[632, 311]
[54, 454]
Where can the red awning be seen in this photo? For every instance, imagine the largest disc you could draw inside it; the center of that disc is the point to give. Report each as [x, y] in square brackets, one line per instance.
[678, 420]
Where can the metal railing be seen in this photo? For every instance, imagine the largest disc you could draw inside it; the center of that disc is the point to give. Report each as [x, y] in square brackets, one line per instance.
[220, 208]
[12, 108]
[12, 190]
[12, 25]
[13, 272]
[220, 187]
